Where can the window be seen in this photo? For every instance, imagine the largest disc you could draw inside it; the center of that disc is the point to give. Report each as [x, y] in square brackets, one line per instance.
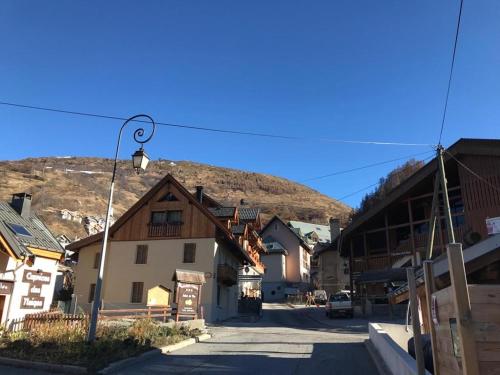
[97, 259]
[19, 230]
[141, 254]
[137, 288]
[169, 197]
[189, 252]
[166, 217]
[91, 293]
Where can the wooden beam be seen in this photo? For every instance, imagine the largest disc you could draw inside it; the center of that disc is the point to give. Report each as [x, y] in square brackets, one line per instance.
[461, 301]
[432, 222]
[419, 353]
[412, 235]
[429, 289]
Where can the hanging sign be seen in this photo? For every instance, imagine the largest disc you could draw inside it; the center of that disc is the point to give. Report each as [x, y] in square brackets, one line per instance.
[6, 287]
[32, 302]
[36, 277]
[493, 225]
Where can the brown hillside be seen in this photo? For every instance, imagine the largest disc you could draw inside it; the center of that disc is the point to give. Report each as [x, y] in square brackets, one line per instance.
[81, 184]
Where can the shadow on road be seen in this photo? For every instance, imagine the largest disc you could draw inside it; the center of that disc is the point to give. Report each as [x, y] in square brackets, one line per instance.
[326, 358]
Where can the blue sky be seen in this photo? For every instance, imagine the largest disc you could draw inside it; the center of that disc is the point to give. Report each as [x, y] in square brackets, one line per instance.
[361, 70]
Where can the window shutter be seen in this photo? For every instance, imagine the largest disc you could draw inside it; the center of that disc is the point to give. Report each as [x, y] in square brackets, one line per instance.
[141, 255]
[137, 289]
[189, 252]
[91, 292]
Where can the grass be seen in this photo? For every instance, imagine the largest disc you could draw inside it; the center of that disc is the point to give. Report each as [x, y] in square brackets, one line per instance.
[62, 344]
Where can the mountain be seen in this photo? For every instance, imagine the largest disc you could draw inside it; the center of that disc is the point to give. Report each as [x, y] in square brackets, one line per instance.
[81, 184]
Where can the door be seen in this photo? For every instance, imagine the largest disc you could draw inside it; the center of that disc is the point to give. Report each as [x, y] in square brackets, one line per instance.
[2, 304]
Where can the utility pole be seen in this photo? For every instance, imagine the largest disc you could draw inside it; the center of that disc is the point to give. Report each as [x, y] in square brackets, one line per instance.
[446, 201]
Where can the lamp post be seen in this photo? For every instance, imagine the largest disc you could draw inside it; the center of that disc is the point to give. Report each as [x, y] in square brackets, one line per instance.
[139, 161]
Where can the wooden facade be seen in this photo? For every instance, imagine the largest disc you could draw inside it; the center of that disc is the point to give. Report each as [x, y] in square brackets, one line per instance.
[395, 232]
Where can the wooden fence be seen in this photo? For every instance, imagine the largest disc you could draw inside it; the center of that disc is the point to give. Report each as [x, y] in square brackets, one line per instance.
[31, 321]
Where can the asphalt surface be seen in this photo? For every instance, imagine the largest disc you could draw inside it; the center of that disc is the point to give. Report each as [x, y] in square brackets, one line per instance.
[285, 341]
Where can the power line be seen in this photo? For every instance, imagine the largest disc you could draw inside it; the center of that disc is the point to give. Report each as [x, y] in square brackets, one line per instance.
[217, 130]
[369, 186]
[473, 173]
[451, 71]
[363, 167]
[357, 191]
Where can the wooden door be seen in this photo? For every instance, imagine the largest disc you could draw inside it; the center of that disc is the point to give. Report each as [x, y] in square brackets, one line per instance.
[2, 304]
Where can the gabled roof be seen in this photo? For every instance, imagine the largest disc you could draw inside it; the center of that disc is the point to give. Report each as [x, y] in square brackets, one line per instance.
[462, 146]
[145, 199]
[248, 214]
[238, 230]
[223, 212]
[40, 237]
[323, 231]
[281, 222]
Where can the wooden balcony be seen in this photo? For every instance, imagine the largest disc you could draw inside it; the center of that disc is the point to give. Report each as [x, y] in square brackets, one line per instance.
[164, 230]
[227, 275]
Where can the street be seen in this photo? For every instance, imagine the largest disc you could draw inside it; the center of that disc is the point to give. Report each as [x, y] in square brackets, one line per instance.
[285, 341]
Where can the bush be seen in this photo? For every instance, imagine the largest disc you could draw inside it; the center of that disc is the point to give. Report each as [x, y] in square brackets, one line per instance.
[58, 342]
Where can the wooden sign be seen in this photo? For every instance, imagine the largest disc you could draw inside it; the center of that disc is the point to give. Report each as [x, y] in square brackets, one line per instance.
[32, 302]
[6, 287]
[187, 299]
[159, 296]
[36, 277]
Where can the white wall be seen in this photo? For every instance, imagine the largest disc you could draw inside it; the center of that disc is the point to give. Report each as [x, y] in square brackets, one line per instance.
[14, 271]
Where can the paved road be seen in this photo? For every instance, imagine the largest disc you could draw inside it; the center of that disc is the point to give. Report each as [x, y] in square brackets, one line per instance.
[286, 341]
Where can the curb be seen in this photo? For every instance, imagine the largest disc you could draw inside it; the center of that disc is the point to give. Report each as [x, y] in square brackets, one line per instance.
[43, 366]
[163, 350]
[376, 358]
[290, 305]
[114, 366]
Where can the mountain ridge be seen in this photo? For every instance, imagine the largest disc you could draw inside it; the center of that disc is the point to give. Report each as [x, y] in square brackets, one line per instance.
[81, 184]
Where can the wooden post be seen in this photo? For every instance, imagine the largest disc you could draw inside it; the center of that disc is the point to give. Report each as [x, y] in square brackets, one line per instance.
[461, 301]
[412, 236]
[429, 289]
[419, 353]
[432, 222]
[446, 201]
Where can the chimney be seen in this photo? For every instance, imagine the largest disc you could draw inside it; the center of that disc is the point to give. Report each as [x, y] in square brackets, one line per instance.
[334, 229]
[21, 202]
[199, 194]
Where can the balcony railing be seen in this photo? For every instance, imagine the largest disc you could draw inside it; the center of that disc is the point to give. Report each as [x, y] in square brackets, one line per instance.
[226, 274]
[164, 230]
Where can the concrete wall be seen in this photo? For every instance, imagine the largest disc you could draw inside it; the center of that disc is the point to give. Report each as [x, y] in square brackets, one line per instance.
[396, 359]
[13, 271]
[164, 257]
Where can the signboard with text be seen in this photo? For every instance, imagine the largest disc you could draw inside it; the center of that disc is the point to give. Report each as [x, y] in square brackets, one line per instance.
[6, 287]
[35, 280]
[187, 298]
[493, 225]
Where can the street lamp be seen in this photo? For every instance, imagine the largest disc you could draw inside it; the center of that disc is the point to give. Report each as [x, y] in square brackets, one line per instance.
[139, 161]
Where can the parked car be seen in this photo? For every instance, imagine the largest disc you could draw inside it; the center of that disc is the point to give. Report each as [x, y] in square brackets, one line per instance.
[320, 297]
[339, 304]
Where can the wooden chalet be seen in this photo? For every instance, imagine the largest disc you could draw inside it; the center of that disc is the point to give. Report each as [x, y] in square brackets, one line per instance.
[394, 233]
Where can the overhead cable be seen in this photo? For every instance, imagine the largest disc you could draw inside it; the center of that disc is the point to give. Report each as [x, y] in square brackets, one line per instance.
[217, 130]
[451, 72]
